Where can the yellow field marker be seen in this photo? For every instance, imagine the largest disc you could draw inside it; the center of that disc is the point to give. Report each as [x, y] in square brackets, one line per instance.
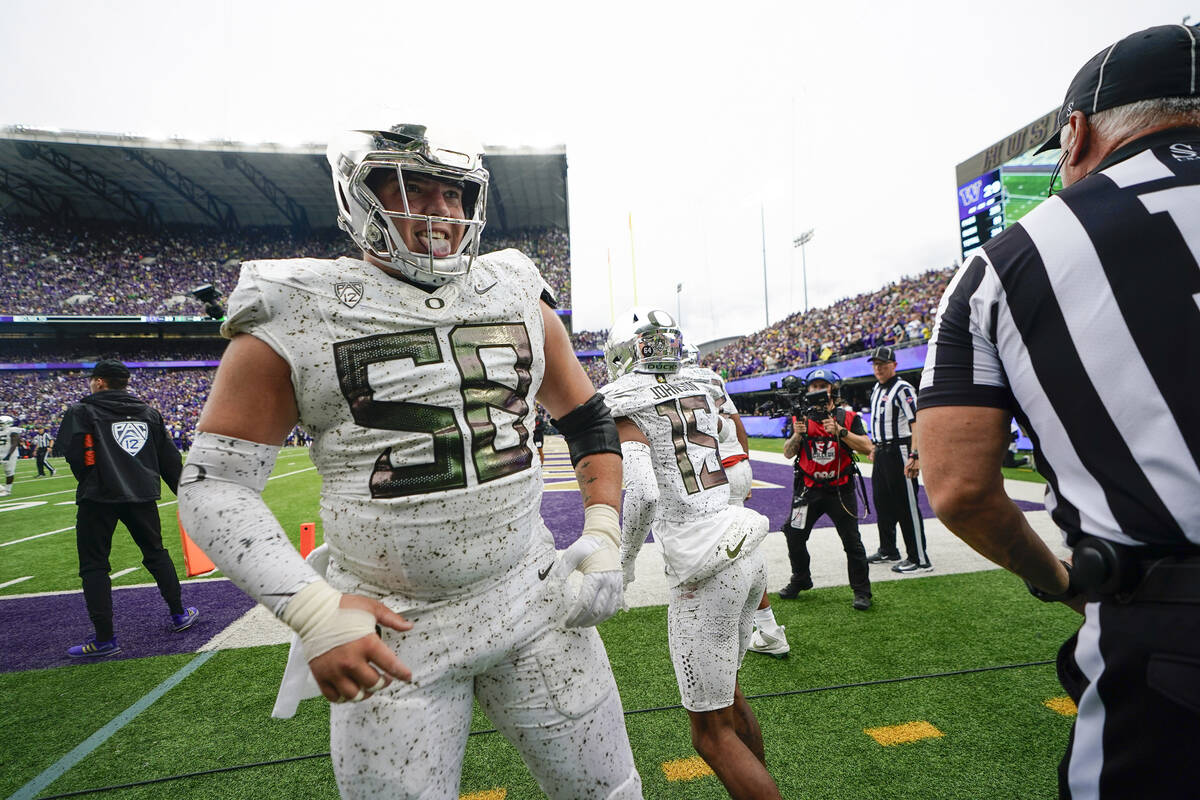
[686, 769]
[489, 794]
[903, 734]
[1061, 705]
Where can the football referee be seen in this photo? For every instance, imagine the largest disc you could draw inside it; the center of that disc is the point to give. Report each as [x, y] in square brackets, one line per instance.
[1083, 319]
[894, 476]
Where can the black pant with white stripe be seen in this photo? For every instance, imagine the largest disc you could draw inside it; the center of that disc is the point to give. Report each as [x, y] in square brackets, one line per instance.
[1133, 670]
[895, 499]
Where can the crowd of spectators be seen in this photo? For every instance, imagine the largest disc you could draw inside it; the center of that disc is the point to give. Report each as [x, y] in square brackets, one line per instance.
[549, 248]
[114, 270]
[39, 398]
[588, 340]
[900, 311]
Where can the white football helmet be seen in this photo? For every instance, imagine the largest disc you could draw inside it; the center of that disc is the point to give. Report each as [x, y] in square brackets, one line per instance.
[6, 420]
[357, 157]
[643, 340]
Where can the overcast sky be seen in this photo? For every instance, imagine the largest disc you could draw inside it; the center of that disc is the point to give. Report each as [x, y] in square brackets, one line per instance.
[698, 121]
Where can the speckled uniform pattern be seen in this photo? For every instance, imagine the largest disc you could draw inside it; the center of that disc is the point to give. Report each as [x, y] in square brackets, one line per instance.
[710, 546]
[709, 625]
[421, 410]
[548, 689]
[741, 478]
[679, 418]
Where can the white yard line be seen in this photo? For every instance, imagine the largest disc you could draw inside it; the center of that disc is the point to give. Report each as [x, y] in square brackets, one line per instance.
[14, 580]
[160, 505]
[123, 572]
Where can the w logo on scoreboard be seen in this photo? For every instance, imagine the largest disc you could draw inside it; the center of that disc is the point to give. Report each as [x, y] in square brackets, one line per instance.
[970, 193]
[131, 435]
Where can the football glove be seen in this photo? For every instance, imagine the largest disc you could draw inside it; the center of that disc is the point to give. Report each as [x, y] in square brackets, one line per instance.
[594, 555]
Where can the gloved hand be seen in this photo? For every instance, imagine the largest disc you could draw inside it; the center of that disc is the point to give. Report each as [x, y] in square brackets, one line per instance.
[594, 555]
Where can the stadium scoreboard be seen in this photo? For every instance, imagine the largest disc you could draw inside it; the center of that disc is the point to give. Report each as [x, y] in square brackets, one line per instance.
[999, 185]
[980, 210]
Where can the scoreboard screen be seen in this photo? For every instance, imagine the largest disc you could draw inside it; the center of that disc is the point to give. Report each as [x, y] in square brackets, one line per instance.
[980, 211]
[1004, 183]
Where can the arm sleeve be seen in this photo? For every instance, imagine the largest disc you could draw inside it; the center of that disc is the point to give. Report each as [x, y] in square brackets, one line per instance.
[641, 499]
[221, 507]
[962, 364]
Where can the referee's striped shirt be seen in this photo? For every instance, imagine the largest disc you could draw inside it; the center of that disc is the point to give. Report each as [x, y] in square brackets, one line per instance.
[893, 409]
[1084, 320]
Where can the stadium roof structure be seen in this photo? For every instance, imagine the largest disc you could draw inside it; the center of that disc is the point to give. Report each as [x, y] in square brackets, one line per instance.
[110, 177]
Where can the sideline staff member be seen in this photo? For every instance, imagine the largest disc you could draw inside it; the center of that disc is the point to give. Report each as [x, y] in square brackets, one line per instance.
[894, 479]
[117, 446]
[1102, 277]
[823, 484]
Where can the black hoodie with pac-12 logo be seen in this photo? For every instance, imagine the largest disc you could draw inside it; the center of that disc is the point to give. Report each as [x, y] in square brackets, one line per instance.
[118, 447]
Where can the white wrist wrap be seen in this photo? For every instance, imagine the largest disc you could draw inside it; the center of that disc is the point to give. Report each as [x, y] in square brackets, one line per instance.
[604, 523]
[322, 625]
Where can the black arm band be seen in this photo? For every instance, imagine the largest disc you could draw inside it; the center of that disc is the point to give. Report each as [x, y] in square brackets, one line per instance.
[589, 429]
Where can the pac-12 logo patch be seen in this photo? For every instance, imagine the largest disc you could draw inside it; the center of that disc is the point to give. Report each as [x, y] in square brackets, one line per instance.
[349, 293]
[131, 435]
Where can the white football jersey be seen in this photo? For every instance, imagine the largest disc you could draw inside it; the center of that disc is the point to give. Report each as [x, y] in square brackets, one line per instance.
[6, 433]
[678, 415]
[421, 409]
[727, 441]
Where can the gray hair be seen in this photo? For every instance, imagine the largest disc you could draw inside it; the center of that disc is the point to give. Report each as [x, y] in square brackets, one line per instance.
[1123, 121]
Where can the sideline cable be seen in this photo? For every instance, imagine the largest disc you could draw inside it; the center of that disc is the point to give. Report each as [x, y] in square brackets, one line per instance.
[764, 696]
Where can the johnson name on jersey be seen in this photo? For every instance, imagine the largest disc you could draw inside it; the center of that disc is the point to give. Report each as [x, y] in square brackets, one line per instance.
[420, 405]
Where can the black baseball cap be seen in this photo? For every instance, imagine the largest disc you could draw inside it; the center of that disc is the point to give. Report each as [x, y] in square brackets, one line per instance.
[1157, 62]
[110, 368]
[882, 354]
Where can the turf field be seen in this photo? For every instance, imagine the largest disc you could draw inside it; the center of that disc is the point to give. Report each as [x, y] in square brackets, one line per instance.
[942, 690]
[1024, 191]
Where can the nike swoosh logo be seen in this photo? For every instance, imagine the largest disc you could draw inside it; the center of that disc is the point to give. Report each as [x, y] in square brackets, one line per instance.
[732, 553]
[485, 289]
[542, 573]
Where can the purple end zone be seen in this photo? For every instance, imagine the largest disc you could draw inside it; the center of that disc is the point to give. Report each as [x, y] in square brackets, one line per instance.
[564, 515]
[35, 632]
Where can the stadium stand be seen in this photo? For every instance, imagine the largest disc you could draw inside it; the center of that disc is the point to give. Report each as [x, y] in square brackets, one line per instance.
[107, 269]
[898, 312]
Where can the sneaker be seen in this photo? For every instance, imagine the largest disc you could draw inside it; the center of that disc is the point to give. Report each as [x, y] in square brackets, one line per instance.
[184, 620]
[879, 558]
[94, 649]
[908, 566]
[771, 644]
[861, 602]
[5, 491]
[794, 588]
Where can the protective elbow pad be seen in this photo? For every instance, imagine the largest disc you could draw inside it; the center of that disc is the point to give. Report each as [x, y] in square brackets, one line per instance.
[588, 429]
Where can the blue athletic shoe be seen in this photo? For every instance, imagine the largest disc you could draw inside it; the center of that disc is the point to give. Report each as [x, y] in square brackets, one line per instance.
[184, 620]
[94, 649]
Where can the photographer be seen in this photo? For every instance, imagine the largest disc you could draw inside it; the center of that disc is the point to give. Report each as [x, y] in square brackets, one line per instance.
[821, 444]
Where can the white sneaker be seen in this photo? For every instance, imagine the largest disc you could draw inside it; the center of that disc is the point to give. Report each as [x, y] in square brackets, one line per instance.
[771, 644]
[5, 491]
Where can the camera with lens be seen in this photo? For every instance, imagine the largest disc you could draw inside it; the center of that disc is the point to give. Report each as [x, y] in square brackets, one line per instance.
[816, 405]
[788, 401]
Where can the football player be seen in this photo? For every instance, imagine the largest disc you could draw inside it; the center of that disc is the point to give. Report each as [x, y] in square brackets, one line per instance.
[415, 369]
[769, 637]
[668, 421]
[10, 451]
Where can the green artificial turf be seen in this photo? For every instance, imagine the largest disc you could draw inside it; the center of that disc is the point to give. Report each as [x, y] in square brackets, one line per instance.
[999, 740]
